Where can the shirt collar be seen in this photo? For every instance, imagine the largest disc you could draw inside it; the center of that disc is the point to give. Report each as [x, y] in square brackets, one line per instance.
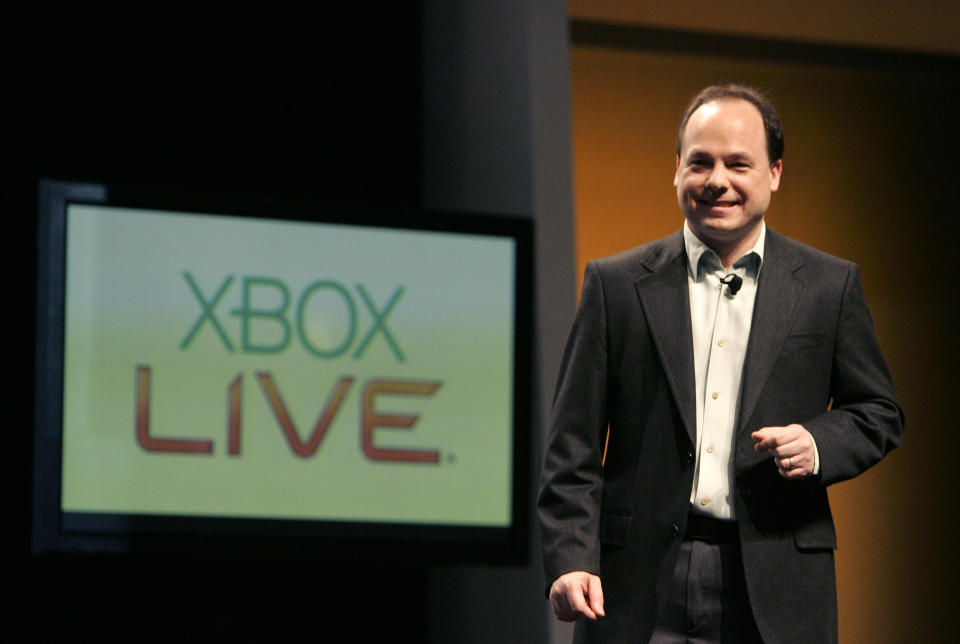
[696, 249]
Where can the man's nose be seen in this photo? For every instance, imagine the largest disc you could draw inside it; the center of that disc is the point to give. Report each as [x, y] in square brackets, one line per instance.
[717, 180]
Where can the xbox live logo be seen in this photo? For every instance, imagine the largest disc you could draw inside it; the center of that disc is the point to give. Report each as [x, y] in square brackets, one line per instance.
[279, 321]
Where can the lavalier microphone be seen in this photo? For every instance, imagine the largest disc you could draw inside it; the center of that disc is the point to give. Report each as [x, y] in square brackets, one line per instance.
[733, 283]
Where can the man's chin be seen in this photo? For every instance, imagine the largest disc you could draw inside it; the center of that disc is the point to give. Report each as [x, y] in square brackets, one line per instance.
[723, 229]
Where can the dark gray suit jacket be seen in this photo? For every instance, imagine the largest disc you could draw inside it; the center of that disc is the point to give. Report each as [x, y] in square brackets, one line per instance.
[628, 364]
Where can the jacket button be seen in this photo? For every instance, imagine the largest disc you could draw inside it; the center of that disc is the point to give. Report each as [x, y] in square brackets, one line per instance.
[691, 456]
[745, 492]
[675, 528]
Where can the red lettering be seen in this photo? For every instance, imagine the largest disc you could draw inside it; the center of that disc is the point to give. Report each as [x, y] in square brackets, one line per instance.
[234, 415]
[371, 420]
[142, 422]
[330, 409]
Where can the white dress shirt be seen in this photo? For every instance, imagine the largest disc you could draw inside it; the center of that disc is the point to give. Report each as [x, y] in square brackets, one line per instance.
[720, 323]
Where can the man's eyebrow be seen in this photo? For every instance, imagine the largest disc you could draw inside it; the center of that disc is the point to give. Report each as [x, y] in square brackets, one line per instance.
[738, 156]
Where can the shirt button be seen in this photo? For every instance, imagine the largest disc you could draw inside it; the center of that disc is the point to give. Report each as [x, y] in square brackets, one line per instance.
[715, 395]
[704, 501]
[710, 449]
[720, 343]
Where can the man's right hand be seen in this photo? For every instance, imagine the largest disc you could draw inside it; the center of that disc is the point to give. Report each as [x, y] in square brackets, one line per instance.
[577, 594]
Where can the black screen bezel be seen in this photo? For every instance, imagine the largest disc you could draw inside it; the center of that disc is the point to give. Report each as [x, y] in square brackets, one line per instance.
[55, 531]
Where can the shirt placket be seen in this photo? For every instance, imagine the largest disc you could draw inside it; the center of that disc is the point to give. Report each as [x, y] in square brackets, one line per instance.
[714, 450]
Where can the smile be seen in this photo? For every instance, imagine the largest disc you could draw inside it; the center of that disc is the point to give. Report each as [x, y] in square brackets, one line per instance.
[718, 204]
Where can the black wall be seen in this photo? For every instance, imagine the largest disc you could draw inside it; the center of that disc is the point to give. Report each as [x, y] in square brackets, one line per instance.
[305, 99]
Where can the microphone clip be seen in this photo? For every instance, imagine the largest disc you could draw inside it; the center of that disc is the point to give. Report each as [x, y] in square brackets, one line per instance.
[733, 282]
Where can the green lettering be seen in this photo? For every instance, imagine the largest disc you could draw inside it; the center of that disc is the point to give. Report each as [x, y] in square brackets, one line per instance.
[247, 314]
[379, 317]
[207, 312]
[351, 311]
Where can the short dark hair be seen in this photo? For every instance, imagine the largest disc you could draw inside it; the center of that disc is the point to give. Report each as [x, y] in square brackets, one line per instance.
[771, 121]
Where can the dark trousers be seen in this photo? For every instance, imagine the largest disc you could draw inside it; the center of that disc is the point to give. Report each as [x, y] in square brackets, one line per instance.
[707, 601]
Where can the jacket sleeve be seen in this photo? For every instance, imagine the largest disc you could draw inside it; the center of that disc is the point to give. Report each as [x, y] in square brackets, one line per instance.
[572, 475]
[865, 421]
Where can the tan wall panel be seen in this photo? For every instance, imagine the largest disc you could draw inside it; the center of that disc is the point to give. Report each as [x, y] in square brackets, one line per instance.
[922, 25]
[869, 174]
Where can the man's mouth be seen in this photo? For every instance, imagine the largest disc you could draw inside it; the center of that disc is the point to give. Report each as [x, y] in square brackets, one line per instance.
[720, 203]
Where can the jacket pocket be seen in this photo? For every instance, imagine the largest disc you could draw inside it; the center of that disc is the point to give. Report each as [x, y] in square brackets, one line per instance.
[817, 535]
[804, 342]
[614, 528]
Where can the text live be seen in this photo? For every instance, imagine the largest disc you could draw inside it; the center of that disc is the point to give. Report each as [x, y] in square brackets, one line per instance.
[370, 420]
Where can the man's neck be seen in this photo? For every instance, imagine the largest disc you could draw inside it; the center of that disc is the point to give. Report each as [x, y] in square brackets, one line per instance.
[730, 252]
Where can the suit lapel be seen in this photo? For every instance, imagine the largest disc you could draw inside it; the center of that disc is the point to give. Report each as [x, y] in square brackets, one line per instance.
[778, 296]
[666, 305]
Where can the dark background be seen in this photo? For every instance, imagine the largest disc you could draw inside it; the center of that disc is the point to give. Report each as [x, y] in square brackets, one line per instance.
[315, 99]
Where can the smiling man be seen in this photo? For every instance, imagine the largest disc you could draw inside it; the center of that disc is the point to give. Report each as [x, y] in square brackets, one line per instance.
[714, 383]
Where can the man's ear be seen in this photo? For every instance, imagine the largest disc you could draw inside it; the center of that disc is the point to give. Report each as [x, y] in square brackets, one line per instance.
[775, 171]
[676, 175]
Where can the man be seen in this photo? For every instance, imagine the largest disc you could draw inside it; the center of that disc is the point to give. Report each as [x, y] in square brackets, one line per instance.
[713, 384]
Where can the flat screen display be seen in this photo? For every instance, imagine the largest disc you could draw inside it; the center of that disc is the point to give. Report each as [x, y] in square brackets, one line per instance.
[303, 371]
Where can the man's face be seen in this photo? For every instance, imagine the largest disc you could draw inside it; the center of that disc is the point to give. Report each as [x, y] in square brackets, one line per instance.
[724, 178]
